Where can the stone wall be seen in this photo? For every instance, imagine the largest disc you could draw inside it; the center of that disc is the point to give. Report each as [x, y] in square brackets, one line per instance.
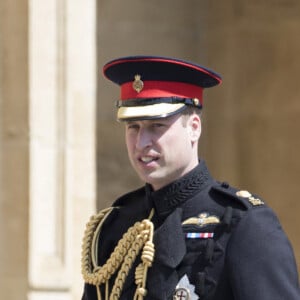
[47, 145]
[14, 150]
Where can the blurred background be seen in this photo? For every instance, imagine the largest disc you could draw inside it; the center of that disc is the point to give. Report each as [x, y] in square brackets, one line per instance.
[62, 153]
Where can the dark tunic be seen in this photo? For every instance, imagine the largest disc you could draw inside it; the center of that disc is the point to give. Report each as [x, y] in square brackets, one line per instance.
[244, 255]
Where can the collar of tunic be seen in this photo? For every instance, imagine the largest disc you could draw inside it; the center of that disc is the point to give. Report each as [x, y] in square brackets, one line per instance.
[166, 199]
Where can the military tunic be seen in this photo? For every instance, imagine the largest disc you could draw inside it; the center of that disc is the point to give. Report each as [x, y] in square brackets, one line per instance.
[228, 244]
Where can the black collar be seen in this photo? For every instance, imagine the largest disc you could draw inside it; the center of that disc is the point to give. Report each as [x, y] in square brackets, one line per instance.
[166, 199]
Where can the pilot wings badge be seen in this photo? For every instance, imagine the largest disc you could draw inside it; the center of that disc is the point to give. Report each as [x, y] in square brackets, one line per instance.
[185, 290]
[202, 220]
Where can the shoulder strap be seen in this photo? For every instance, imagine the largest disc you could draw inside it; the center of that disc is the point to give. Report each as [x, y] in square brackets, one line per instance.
[243, 197]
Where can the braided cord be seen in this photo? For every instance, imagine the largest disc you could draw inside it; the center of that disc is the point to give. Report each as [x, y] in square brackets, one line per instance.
[138, 237]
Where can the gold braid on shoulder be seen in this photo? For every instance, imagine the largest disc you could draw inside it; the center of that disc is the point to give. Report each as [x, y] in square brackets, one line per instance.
[138, 238]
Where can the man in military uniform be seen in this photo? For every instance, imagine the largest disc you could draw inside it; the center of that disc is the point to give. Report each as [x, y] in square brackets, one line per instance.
[183, 235]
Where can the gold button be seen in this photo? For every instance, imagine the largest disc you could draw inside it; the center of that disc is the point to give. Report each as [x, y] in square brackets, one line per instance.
[243, 194]
[196, 101]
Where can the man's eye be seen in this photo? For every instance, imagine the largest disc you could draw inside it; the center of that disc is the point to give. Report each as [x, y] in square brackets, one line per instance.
[156, 125]
[133, 126]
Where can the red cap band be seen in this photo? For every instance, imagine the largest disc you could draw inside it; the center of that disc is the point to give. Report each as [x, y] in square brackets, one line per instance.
[161, 89]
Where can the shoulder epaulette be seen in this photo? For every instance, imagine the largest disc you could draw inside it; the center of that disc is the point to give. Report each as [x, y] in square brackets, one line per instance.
[244, 197]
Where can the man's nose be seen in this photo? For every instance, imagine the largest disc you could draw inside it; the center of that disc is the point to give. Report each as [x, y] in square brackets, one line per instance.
[144, 139]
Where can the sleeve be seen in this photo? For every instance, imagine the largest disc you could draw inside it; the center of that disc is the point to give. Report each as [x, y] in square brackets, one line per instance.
[260, 259]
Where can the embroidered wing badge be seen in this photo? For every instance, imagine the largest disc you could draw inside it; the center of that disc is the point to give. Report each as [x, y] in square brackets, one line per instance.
[202, 220]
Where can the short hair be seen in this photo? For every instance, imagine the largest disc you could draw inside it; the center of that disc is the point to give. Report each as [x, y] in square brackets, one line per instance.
[188, 111]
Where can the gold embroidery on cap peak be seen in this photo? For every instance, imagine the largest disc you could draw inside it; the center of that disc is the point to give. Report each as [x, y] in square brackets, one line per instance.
[137, 84]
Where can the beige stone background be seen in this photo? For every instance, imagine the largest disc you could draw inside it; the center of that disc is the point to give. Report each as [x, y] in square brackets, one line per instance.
[62, 153]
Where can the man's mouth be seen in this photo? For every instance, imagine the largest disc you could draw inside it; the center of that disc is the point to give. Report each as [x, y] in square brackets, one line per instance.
[148, 159]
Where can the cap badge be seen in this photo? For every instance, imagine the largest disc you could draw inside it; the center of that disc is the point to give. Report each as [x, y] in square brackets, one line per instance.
[202, 220]
[137, 84]
[254, 201]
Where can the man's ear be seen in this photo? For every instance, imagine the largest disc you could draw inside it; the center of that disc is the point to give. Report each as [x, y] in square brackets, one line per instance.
[194, 125]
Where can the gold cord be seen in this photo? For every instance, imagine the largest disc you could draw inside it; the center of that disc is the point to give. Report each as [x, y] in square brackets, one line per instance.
[138, 237]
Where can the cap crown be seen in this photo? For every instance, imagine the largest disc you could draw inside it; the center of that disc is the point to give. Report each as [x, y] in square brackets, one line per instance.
[165, 80]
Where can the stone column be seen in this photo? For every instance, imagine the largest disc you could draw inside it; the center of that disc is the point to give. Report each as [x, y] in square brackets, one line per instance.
[14, 150]
[47, 145]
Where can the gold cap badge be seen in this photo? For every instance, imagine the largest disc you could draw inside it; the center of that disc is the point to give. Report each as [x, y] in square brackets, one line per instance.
[137, 84]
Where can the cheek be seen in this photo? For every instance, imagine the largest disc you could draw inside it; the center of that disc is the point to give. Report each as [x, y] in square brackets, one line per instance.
[183, 146]
[129, 143]
[177, 143]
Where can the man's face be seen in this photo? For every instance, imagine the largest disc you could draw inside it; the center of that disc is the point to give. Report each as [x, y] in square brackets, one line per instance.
[163, 150]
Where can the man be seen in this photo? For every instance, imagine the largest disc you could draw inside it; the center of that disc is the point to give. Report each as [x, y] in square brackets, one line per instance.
[183, 235]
